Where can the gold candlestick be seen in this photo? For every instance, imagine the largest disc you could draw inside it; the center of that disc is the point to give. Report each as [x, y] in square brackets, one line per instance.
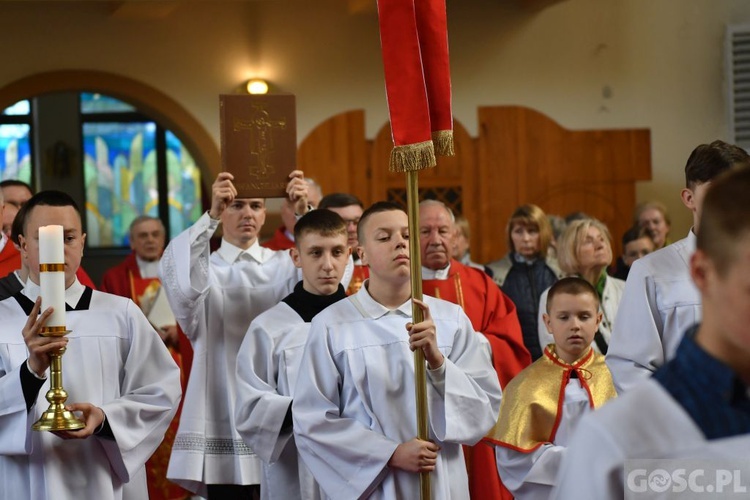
[57, 418]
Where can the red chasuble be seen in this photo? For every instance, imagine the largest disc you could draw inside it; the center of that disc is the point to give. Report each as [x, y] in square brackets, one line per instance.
[493, 314]
[125, 280]
[279, 240]
[10, 259]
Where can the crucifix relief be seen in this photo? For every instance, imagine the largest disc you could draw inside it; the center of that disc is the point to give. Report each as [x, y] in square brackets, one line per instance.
[261, 128]
[259, 142]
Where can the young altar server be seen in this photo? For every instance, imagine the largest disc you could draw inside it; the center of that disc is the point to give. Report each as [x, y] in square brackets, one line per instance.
[696, 406]
[269, 357]
[543, 404]
[120, 380]
[354, 408]
[214, 297]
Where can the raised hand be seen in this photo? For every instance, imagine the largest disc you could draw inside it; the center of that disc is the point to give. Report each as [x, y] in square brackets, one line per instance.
[223, 193]
[296, 190]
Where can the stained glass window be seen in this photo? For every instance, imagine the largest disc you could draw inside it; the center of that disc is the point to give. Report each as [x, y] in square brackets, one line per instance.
[15, 143]
[131, 166]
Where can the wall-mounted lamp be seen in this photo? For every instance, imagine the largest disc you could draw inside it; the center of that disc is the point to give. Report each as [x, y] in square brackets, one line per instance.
[257, 86]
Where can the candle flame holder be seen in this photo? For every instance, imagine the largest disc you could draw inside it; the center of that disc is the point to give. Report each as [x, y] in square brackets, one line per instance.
[57, 418]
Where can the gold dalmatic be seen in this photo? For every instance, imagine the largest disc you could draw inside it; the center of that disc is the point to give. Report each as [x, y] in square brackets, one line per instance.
[532, 403]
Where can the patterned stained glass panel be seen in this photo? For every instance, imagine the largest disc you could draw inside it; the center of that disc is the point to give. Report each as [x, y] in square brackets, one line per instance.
[98, 103]
[21, 108]
[120, 179]
[183, 186]
[15, 152]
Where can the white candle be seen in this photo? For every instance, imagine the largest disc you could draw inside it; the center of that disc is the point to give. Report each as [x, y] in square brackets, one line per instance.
[52, 283]
[51, 249]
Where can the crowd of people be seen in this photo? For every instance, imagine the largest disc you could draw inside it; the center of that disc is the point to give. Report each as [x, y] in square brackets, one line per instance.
[285, 369]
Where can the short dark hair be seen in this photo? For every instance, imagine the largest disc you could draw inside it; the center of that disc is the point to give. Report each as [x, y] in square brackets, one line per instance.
[634, 233]
[16, 183]
[49, 198]
[339, 200]
[724, 218]
[323, 222]
[572, 285]
[16, 229]
[707, 161]
[377, 207]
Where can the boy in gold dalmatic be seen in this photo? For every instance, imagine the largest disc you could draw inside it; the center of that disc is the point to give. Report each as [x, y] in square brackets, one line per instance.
[542, 405]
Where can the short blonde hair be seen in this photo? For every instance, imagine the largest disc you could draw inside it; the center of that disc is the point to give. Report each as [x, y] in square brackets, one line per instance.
[572, 239]
[531, 216]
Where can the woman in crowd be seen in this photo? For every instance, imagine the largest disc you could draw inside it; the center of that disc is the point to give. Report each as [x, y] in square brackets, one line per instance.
[527, 271]
[585, 250]
[653, 216]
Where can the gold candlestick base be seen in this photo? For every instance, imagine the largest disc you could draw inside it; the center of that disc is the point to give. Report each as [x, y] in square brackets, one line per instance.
[57, 418]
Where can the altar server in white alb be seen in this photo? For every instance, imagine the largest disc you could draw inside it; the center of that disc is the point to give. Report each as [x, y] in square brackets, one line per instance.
[696, 406]
[270, 355]
[214, 297]
[660, 301]
[354, 408]
[120, 379]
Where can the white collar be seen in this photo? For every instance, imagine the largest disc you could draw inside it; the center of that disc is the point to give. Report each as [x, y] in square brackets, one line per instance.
[147, 268]
[374, 310]
[436, 274]
[692, 239]
[72, 294]
[4, 240]
[231, 253]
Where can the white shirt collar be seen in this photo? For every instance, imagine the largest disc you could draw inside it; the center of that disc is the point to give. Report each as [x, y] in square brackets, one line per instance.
[374, 310]
[436, 274]
[4, 240]
[230, 253]
[147, 268]
[72, 294]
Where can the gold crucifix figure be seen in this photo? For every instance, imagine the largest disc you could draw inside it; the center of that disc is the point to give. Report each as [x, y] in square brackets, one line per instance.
[261, 140]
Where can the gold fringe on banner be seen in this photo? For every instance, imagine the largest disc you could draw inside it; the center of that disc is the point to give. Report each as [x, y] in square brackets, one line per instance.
[412, 157]
[443, 140]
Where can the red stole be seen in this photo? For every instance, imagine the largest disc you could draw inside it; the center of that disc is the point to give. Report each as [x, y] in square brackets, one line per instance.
[10, 259]
[360, 274]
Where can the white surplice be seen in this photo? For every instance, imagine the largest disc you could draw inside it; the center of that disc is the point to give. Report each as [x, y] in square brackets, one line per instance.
[214, 297]
[530, 476]
[354, 400]
[609, 307]
[644, 423]
[114, 360]
[267, 367]
[659, 304]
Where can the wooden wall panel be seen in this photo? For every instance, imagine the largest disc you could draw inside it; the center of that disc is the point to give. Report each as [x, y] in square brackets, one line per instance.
[336, 153]
[525, 157]
[521, 156]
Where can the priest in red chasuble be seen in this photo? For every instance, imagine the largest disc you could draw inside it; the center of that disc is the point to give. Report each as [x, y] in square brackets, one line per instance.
[491, 312]
[137, 278]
